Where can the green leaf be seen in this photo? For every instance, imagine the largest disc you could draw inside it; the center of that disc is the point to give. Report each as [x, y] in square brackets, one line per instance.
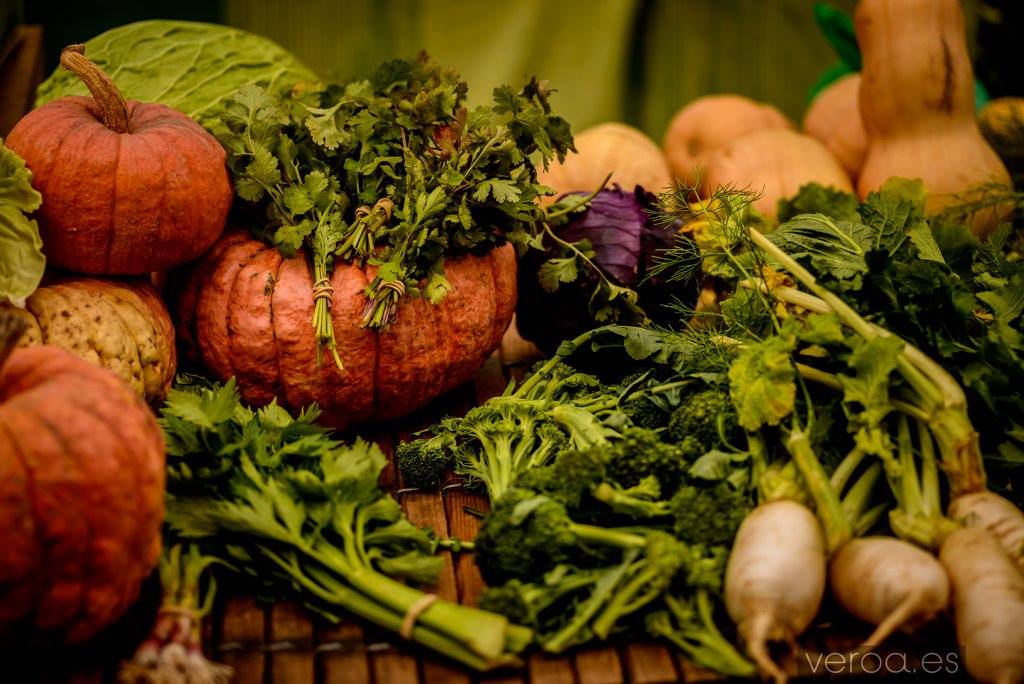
[814, 198]
[324, 128]
[717, 465]
[762, 382]
[866, 392]
[22, 265]
[557, 270]
[835, 248]
[501, 190]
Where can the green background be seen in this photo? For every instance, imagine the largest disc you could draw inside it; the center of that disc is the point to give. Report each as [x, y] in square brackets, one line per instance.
[630, 60]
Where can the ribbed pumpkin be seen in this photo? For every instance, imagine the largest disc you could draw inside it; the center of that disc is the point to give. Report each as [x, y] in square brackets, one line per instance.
[128, 188]
[773, 163]
[247, 312]
[834, 119]
[710, 122]
[609, 148]
[917, 102]
[81, 492]
[122, 326]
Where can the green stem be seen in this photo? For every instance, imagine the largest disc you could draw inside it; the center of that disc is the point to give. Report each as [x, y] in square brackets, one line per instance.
[856, 500]
[837, 527]
[929, 471]
[844, 471]
[605, 536]
[337, 594]
[568, 635]
[704, 643]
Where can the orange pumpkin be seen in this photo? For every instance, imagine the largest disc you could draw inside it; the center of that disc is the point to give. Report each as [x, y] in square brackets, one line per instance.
[708, 123]
[834, 119]
[773, 163]
[128, 188]
[81, 491]
[917, 102]
[246, 312]
[122, 326]
[610, 148]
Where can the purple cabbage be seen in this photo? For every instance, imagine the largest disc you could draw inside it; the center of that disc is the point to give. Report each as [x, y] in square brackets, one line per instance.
[625, 242]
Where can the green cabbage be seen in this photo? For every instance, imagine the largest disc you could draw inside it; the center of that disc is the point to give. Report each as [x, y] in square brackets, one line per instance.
[190, 66]
[21, 267]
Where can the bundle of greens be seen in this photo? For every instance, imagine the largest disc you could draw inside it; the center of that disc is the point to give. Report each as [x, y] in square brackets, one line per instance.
[277, 500]
[394, 171]
[958, 299]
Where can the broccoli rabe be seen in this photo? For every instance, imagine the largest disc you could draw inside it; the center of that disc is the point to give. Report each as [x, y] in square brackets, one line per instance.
[708, 515]
[424, 463]
[527, 534]
[707, 416]
[640, 454]
[537, 605]
[640, 501]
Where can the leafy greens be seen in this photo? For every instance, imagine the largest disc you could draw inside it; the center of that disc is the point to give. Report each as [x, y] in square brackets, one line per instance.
[21, 269]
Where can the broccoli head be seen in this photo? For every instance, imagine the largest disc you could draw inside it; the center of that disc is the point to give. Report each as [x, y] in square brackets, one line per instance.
[530, 603]
[424, 463]
[704, 416]
[639, 454]
[708, 515]
[527, 534]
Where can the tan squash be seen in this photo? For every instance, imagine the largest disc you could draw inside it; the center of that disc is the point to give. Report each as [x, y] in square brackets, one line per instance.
[917, 102]
[774, 163]
[708, 123]
[834, 119]
[1002, 124]
[623, 151]
[120, 325]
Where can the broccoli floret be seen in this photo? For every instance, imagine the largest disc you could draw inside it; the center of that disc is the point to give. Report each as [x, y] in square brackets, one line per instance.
[527, 534]
[639, 454]
[647, 414]
[526, 603]
[706, 416]
[424, 463]
[641, 501]
[569, 479]
[708, 515]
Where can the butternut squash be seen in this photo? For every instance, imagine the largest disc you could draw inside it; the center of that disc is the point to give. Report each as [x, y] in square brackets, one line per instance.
[917, 102]
[623, 151]
[834, 119]
[774, 163]
[1002, 124]
[708, 123]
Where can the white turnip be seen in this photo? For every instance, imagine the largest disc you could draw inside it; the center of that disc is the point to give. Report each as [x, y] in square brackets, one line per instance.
[775, 578]
[889, 583]
[997, 515]
[988, 600]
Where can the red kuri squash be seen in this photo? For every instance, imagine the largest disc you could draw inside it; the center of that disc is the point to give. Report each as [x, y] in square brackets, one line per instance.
[247, 312]
[128, 187]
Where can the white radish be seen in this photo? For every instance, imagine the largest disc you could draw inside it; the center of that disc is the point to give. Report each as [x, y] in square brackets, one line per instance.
[889, 583]
[988, 600]
[775, 578]
[997, 515]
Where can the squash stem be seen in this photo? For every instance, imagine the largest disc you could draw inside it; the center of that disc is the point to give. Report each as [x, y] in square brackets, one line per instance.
[108, 98]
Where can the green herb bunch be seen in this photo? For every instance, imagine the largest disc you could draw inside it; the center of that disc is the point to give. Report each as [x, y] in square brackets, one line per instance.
[277, 500]
[394, 171]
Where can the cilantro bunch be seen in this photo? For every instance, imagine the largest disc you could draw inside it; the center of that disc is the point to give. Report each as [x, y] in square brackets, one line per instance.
[392, 170]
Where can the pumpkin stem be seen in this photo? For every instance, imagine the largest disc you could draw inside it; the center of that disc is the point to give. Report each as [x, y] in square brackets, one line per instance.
[12, 327]
[113, 107]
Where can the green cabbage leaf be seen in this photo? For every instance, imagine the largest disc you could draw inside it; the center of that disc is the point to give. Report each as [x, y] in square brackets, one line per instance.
[21, 249]
[190, 66]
